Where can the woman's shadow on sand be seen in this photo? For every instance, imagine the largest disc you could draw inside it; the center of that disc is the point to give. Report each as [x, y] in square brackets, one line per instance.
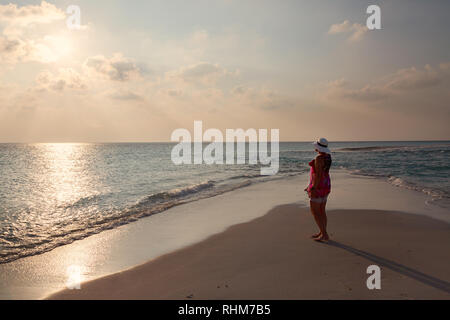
[404, 270]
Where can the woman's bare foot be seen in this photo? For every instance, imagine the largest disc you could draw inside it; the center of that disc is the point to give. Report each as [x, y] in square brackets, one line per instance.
[316, 235]
[322, 238]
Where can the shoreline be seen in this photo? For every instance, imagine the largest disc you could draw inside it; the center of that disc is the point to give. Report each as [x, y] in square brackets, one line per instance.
[136, 243]
[126, 246]
[427, 198]
[272, 257]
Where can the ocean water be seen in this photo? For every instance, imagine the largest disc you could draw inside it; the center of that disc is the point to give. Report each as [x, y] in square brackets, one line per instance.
[54, 194]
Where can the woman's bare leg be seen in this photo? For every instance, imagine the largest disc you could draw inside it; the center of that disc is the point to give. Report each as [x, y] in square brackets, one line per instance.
[324, 221]
[324, 213]
[315, 210]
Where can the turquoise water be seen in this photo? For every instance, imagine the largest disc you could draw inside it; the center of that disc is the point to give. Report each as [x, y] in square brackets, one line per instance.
[53, 194]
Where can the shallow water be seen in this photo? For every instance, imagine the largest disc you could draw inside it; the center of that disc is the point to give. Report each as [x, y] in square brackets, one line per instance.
[53, 194]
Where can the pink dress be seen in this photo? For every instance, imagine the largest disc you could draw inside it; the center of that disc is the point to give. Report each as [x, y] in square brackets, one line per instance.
[324, 186]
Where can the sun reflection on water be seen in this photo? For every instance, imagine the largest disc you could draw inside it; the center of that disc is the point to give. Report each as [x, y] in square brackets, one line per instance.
[66, 177]
[57, 190]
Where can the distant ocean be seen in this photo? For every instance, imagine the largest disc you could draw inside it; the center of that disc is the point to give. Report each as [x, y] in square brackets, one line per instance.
[53, 194]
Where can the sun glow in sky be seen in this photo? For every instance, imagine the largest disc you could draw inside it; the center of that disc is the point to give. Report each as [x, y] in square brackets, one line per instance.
[137, 71]
[59, 47]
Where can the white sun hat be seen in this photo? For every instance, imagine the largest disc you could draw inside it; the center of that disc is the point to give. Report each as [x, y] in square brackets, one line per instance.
[322, 145]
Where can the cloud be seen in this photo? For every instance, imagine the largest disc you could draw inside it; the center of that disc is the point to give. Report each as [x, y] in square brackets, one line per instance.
[116, 68]
[64, 79]
[19, 40]
[173, 93]
[339, 89]
[14, 50]
[126, 95]
[262, 98]
[239, 90]
[202, 72]
[202, 69]
[355, 30]
[409, 80]
[29, 14]
[367, 93]
[44, 50]
[414, 79]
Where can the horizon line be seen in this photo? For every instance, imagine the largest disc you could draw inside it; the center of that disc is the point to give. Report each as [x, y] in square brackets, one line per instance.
[283, 141]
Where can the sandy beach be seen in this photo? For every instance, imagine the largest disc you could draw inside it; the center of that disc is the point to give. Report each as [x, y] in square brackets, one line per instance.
[272, 258]
[254, 243]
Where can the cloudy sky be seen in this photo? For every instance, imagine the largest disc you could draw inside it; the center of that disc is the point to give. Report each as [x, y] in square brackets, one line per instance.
[137, 70]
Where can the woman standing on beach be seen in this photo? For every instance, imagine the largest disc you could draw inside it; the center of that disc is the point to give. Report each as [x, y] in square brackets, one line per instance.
[319, 187]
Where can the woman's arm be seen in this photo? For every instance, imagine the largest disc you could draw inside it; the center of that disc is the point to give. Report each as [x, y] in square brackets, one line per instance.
[318, 169]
